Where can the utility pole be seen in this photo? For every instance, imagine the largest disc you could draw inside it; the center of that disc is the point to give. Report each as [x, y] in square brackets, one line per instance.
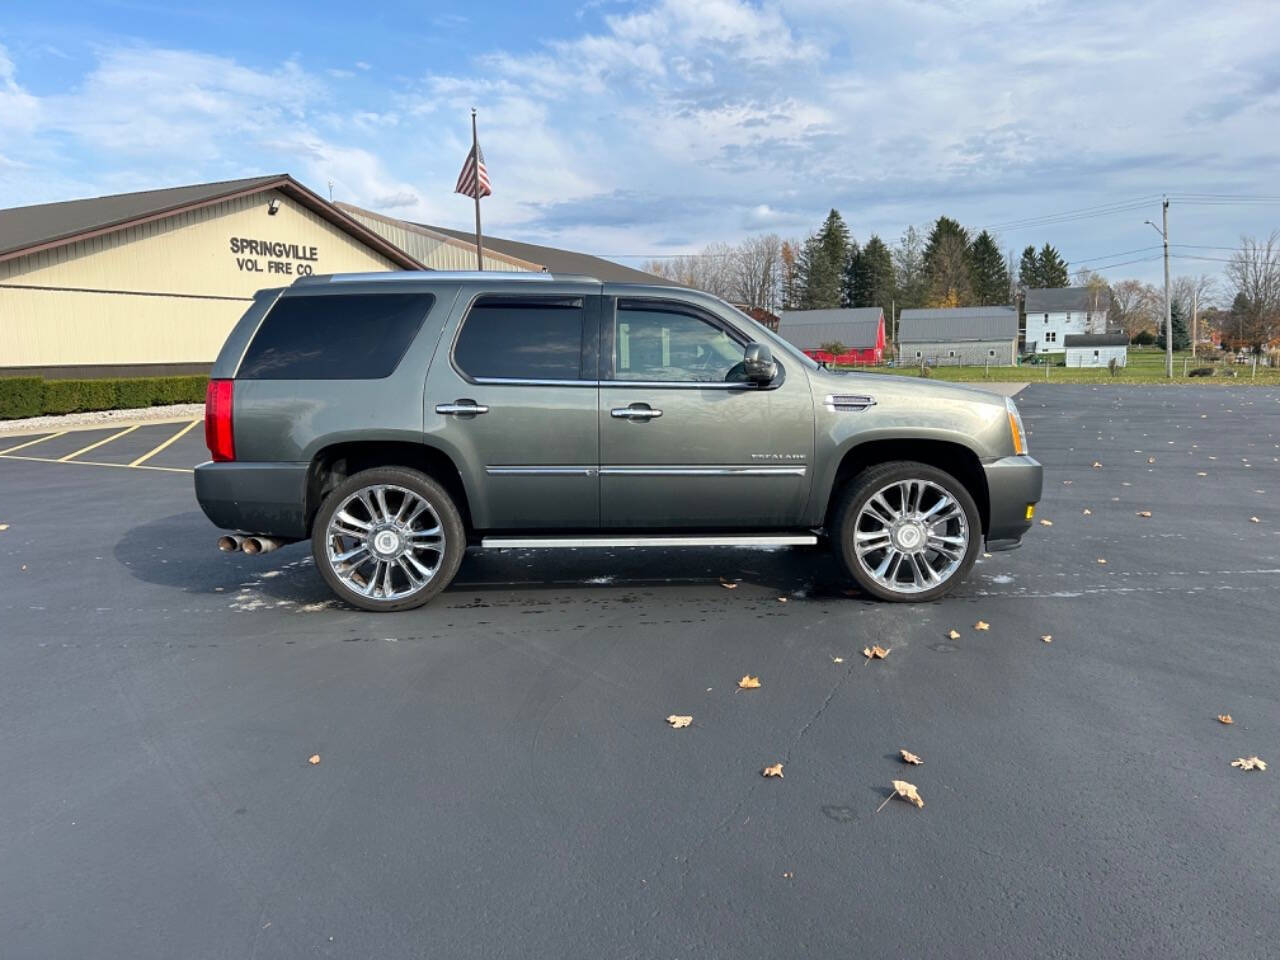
[1168, 311]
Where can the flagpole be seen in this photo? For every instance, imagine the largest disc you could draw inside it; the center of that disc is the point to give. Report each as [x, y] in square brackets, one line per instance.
[475, 156]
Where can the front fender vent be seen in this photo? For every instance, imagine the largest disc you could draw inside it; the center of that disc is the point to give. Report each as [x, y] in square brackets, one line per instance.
[849, 402]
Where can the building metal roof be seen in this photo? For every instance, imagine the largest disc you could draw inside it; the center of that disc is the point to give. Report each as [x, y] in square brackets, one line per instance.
[955, 324]
[1095, 340]
[555, 260]
[858, 328]
[437, 250]
[1060, 299]
[30, 229]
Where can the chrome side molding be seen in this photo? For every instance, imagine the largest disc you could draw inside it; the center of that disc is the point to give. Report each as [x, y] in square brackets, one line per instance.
[656, 540]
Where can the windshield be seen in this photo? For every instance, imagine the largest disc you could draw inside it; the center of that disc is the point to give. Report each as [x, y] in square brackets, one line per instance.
[790, 349]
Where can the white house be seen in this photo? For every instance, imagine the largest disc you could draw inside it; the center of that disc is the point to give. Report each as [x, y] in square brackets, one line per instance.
[1058, 312]
[1096, 349]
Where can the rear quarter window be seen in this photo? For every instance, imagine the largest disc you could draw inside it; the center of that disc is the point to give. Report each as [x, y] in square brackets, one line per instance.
[337, 337]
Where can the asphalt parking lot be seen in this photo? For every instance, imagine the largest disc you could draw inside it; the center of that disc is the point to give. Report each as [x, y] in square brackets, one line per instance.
[497, 779]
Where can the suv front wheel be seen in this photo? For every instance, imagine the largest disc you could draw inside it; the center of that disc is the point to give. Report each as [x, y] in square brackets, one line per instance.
[906, 531]
[388, 539]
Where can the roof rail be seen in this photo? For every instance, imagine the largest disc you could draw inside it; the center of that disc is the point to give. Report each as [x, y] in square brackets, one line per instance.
[489, 276]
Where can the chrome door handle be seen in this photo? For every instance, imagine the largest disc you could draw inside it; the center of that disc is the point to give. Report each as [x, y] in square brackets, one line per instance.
[634, 413]
[462, 407]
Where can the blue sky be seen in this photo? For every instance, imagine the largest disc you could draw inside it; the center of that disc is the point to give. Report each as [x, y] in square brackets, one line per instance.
[655, 127]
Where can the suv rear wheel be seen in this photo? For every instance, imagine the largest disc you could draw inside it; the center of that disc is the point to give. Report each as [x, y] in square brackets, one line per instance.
[388, 539]
[906, 531]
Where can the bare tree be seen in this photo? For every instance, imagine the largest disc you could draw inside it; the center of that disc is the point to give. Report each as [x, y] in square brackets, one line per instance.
[755, 271]
[1133, 306]
[1254, 274]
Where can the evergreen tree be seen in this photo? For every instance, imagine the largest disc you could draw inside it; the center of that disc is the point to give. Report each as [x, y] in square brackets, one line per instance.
[823, 262]
[1029, 270]
[1053, 269]
[1178, 317]
[987, 273]
[874, 284]
[946, 264]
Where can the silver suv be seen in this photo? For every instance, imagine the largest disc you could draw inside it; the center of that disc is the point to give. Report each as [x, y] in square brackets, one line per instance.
[397, 418]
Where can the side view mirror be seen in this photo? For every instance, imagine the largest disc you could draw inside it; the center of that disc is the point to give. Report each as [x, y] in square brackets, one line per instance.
[757, 363]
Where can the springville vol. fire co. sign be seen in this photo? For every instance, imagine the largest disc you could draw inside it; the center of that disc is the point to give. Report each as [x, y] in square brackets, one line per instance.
[287, 259]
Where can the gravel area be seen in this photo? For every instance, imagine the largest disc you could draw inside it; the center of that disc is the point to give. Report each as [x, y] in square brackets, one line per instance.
[177, 411]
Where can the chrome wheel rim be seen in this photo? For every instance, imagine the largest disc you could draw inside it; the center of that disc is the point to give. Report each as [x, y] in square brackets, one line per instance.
[911, 536]
[385, 542]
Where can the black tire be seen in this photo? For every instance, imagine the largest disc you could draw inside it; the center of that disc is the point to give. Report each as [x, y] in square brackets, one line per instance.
[438, 500]
[853, 497]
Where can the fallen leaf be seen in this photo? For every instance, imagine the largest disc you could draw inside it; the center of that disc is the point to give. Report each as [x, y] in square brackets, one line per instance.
[982, 625]
[4, 526]
[954, 635]
[728, 585]
[1254, 520]
[1097, 465]
[1101, 560]
[748, 682]
[837, 659]
[1087, 512]
[1225, 718]
[678, 721]
[905, 791]
[1144, 513]
[1046, 523]
[314, 759]
[875, 653]
[909, 757]
[1249, 763]
[1201, 473]
[782, 599]
[1151, 459]
[1066, 483]
[788, 875]
[773, 771]
[1047, 638]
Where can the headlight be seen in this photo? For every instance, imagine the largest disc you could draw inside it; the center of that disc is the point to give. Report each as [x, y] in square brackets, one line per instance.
[1015, 427]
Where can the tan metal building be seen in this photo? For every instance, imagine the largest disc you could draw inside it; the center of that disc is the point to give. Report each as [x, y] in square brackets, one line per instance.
[152, 282]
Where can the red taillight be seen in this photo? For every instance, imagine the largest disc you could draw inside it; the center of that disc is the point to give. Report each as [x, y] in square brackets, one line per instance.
[218, 436]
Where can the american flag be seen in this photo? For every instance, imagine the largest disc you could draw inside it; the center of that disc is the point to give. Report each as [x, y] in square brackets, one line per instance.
[474, 177]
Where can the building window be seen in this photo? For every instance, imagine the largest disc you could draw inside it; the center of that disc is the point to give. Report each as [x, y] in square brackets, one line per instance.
[1046, 318]
[917, 354]
[1051, 336]
[991, 353]
[951, 353]
[1095, 353]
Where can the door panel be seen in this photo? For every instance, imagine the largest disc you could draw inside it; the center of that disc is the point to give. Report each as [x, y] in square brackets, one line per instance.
[530, 459]
[697, 454]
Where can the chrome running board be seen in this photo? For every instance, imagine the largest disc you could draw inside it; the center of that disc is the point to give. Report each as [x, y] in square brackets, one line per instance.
[656, 540]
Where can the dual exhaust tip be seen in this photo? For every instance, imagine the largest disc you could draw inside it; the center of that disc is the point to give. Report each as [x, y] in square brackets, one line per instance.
[248, 544]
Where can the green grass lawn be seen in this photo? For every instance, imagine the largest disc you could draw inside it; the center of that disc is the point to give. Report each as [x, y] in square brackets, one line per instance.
[1144, 366]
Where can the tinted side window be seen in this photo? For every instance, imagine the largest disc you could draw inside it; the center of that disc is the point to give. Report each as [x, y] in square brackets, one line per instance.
[655, 342]
[340, 337]
[522, 339]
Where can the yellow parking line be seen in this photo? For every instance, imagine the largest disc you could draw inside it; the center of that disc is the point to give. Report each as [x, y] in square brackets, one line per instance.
[94, 446]
[31, 443]
[96, 463]
[147, 456]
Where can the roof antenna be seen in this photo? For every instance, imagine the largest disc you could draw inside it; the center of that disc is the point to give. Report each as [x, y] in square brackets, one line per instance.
[331, 191]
